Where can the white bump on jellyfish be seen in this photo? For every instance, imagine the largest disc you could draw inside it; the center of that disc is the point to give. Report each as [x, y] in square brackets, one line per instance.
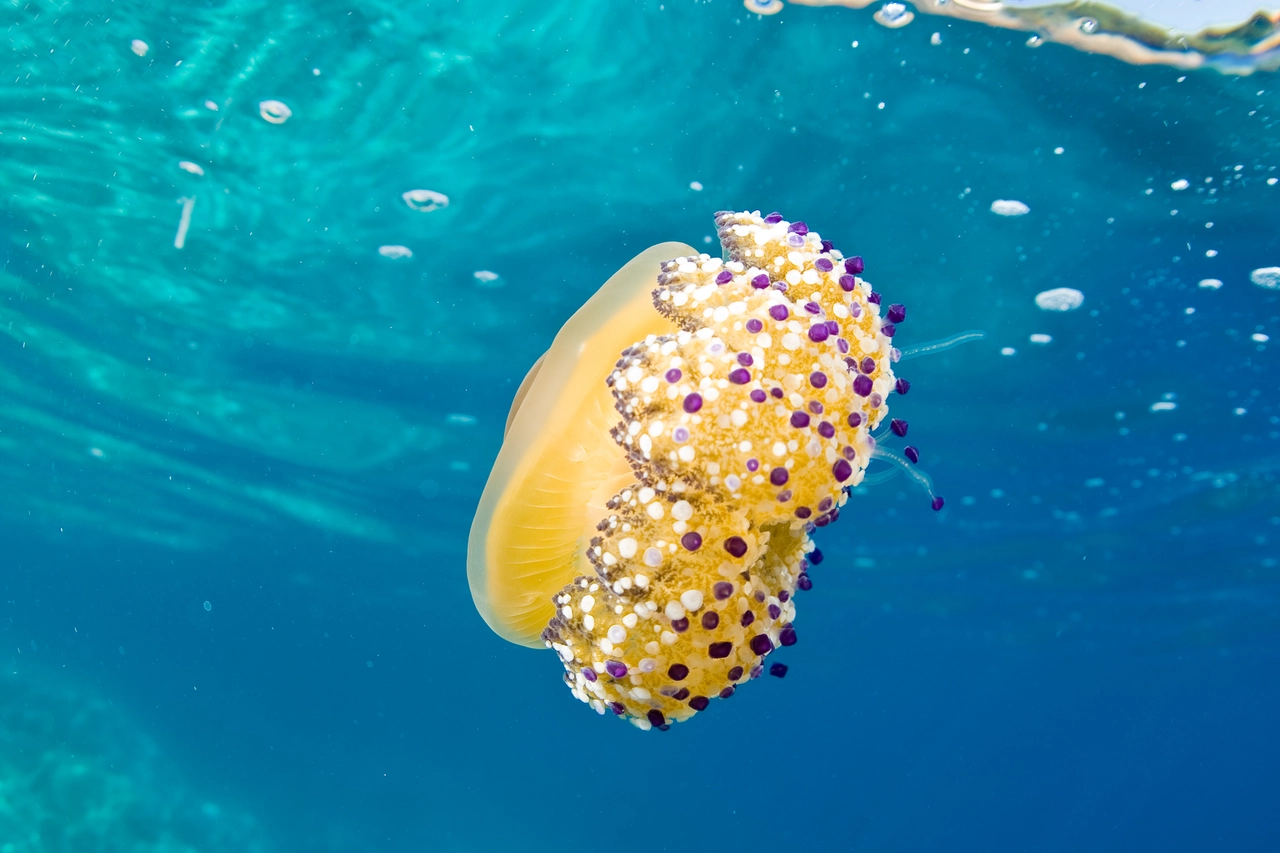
[696, 186]
[1164, 406]
[1009, 207]
[1210, 283]
[425, 200]
[1180, 184]
[1041, 339]
[674, 610]
[626, 548]
[1259, 337]
[487, 278]
[274, 112]
[616, 634]
[691, 599]
[395, 252]
[1271, 182]
[139, 47]
[1060, 299]
[188, 166]
[893, 15]
[682, 511]
[210, 105]
[1268, 277]
[652, 558]
[763, 7]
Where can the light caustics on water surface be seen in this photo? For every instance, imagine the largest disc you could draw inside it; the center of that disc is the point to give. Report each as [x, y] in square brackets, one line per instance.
[1233, 36]
[649, 515]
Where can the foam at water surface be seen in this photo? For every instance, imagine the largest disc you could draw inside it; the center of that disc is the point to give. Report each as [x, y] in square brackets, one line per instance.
[1234, 36]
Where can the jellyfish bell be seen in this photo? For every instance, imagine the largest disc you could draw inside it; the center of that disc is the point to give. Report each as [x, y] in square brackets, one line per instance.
[666, 461]
[558, 461]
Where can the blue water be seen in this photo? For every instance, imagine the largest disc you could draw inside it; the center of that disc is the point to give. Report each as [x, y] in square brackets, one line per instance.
[237, 477]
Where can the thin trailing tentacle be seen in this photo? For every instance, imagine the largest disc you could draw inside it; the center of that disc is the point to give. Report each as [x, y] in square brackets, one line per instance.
[942, 344]
[901, 463]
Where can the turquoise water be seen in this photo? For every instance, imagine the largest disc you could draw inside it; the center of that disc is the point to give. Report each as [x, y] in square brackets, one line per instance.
[238, 475]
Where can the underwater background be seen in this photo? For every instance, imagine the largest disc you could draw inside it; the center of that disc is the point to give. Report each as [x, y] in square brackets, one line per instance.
[236, 477]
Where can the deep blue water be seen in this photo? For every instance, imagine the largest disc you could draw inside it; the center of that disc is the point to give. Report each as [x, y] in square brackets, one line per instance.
[1079, 652]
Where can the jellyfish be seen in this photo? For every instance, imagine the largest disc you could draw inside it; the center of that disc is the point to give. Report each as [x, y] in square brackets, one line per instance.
[666, 462]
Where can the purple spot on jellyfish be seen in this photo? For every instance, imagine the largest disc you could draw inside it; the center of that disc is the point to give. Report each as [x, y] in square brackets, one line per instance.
[898, 427]
[691, 541]
[693, 402]
[674, 374]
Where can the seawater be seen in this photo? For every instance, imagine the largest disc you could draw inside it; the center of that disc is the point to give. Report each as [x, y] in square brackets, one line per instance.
[238, 475]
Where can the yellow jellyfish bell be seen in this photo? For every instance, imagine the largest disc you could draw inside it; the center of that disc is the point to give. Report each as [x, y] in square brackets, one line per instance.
[649, 513]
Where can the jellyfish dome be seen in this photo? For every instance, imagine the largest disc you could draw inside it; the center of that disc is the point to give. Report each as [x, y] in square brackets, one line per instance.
[666, 462]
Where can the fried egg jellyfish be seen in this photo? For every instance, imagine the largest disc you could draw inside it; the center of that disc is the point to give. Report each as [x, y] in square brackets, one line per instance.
[650, 511]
